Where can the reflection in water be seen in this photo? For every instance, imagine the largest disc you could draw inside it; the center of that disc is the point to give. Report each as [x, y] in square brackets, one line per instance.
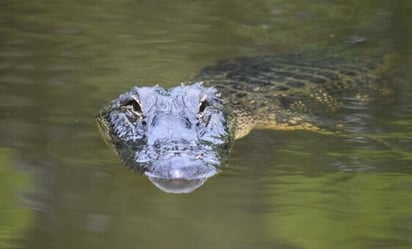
[350, 211]
[177, 186]
[14, 219]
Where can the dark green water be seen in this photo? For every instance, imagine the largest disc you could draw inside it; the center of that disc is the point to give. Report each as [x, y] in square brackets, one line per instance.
[61, 187]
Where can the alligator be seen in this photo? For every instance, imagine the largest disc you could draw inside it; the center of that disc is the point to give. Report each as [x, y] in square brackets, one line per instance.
[181, 136]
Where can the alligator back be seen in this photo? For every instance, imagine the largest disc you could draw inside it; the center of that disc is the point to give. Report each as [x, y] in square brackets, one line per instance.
[289, 91]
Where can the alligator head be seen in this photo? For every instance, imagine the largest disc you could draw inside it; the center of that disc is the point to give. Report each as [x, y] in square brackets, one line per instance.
[177, 137]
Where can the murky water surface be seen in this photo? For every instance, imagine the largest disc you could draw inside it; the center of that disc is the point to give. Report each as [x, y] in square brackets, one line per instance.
[61, 187]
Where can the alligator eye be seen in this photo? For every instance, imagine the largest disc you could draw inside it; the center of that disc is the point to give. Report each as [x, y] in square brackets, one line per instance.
[203, 104]
[135, 106]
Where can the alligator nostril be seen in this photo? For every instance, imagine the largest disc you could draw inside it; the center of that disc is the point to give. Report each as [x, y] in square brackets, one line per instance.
[188, 124]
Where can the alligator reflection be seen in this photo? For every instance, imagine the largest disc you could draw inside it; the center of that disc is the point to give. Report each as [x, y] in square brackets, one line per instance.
[177, 186]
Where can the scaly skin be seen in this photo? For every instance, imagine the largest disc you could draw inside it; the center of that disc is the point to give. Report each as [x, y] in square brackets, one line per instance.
[290, 91]
[181, 136]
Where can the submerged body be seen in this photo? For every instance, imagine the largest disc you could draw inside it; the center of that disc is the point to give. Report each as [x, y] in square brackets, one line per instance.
[181, 136]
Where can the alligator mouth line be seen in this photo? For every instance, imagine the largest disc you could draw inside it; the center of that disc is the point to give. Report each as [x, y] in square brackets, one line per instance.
[177, 174]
